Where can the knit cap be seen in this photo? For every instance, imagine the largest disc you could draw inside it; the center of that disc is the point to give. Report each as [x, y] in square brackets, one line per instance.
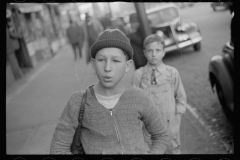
[112, 37]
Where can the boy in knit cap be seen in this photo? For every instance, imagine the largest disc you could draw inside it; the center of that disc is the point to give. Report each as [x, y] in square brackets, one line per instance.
[115, 112]
[163, 85]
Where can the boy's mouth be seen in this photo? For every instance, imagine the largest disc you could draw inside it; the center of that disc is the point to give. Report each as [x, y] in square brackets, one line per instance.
[154, 59]
[107, 78]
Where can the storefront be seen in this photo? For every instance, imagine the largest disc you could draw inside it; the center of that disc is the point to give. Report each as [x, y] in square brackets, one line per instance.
[57, 21]
[40, 35]
[33, 29]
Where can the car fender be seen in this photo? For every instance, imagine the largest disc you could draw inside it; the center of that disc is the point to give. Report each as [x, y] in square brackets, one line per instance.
[188, 27]
[218, 69]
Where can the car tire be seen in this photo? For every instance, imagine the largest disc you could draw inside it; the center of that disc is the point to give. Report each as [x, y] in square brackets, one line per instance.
[223, 102]
[197, 46]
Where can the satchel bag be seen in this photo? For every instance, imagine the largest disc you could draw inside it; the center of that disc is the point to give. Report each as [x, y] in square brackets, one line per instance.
[76, 146]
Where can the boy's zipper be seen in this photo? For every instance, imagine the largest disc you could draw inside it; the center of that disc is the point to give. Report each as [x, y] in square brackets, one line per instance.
[116, 129]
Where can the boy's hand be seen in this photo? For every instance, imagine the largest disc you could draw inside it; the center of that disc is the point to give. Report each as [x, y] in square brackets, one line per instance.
[180, 108]
[178, 113]
[178, 117]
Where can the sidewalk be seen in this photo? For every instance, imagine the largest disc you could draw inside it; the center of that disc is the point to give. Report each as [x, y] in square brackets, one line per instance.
[35, 106]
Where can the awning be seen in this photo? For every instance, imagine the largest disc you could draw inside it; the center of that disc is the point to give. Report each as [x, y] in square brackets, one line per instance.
[28, 7]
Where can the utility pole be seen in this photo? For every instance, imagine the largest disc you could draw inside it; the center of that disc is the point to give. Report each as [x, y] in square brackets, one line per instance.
[143, 20]
[110, 11]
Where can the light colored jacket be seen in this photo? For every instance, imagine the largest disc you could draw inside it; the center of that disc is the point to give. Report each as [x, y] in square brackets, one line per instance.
[111, 132]
[168, 95]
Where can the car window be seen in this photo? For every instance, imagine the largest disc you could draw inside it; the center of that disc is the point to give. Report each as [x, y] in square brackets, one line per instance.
[154, 18]
[163, 16]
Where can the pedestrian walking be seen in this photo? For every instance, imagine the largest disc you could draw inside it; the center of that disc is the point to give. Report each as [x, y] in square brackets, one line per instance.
[94, 28]
[106, 22]
[75, 35]
[11, 51]
[136, 40]
[115, 111]
[163, 85]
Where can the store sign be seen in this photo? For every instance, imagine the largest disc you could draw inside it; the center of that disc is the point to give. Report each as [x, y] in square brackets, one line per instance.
[66, 6]
[29, 7]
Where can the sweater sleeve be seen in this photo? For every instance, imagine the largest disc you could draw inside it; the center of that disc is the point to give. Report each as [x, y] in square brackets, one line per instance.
[155, 127]
[137, 77]
[66, 127]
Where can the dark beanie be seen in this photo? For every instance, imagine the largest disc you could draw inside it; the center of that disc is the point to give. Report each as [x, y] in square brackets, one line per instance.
[112, 37]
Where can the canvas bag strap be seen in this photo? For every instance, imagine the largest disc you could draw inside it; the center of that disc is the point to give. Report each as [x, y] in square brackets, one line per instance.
[76, 146]
[82, 108]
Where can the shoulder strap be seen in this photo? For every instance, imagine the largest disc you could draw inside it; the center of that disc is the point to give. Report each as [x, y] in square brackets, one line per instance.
[76, 146]
[82, 108]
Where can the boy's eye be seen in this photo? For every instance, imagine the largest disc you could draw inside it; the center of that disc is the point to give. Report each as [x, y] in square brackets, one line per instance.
[116, 60]
[149, 51]
[100, 60]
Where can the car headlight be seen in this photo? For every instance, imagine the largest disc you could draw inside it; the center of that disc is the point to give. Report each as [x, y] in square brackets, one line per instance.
[183, 37]
[160, 33]
[183, 27]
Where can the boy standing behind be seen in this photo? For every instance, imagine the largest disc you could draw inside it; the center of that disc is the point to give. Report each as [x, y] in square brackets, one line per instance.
[163, 85]
[114, 111]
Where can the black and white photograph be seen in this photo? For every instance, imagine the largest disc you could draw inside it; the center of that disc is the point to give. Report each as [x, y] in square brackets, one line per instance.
[119, 78]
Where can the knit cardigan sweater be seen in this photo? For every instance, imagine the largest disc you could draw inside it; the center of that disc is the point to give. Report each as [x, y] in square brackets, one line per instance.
[116, 131]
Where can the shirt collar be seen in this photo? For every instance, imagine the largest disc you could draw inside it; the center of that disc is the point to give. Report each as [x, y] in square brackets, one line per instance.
[161, 68]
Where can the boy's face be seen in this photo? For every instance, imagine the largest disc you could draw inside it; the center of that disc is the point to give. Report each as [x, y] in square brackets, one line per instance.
[110, 65]
[154, 53]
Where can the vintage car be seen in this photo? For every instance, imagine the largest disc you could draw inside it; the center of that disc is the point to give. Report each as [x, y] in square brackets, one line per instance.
[221, 69]
[222, 6]
[184, 4]
[165, 20]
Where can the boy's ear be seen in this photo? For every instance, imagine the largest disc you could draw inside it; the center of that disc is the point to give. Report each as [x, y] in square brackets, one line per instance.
[128, 65]
[93, 63]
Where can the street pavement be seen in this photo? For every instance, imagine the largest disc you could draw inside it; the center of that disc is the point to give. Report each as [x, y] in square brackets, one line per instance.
[35, 103]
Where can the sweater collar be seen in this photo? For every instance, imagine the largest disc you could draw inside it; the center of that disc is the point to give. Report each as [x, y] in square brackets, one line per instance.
[92, 92]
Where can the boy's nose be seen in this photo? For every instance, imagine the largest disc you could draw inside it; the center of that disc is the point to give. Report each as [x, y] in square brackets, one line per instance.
[154, 53]
[108, 66]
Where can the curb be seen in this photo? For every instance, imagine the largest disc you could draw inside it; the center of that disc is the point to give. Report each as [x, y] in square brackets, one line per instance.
[206, 127]
[194, 113]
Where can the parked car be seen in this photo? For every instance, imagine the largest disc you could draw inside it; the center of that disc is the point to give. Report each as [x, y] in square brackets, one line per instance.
[221, 69]
[184, 4]
[165, 21]
[222, 6]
